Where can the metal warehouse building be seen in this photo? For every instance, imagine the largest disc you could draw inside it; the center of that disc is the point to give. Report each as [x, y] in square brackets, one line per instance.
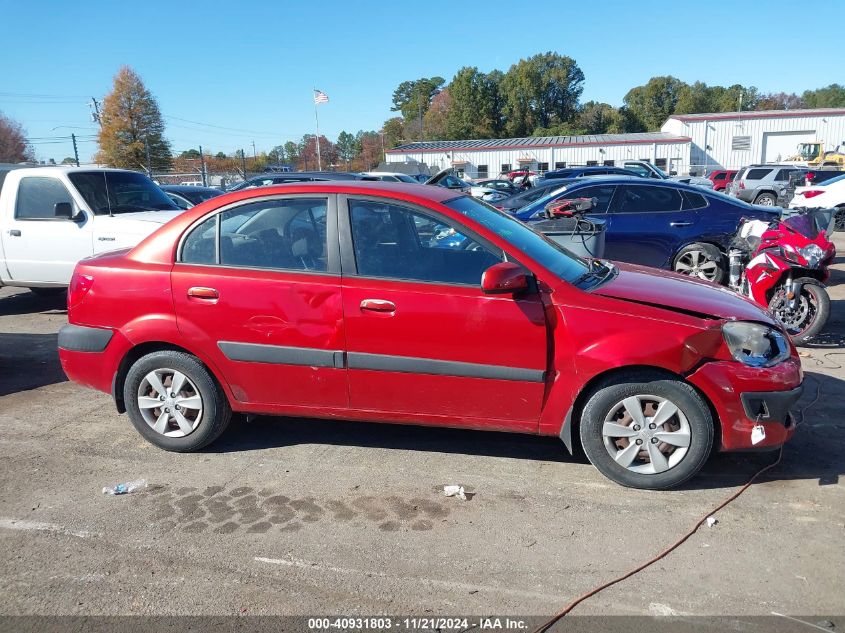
[694, 142]
[736, 139]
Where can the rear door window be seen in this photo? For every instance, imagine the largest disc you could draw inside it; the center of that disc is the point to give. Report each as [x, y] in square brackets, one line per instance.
[645, 199]
[603, 195]
[757, 174]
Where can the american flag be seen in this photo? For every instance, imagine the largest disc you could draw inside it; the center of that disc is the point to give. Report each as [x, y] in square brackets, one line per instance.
[320, 96]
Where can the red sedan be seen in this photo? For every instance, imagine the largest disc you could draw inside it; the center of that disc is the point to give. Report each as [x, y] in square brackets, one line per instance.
[342, 300]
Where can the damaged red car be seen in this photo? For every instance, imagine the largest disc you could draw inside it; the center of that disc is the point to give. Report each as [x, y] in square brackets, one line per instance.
[335, 300]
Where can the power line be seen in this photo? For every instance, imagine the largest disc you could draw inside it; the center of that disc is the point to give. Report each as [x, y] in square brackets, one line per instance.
[223, 127]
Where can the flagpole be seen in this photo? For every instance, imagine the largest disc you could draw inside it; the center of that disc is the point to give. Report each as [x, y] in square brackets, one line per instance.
[317, 121]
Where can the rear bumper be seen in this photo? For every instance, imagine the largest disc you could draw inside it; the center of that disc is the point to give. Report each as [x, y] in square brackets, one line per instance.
[743, 395]
[91, 356]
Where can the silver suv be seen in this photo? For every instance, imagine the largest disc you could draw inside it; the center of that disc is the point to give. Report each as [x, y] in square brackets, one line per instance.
[762, 184]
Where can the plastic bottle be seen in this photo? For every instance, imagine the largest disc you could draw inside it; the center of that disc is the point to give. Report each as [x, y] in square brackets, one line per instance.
[124, 489]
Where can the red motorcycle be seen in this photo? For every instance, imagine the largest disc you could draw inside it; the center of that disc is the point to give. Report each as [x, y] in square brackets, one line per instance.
[783, 265]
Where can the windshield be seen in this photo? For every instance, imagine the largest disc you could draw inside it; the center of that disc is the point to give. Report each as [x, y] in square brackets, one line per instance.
[406, 178]
[112, 192]
[547, 253]
[198, 195]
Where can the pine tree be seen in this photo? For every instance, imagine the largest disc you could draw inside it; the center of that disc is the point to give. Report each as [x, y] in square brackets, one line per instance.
[130, 120]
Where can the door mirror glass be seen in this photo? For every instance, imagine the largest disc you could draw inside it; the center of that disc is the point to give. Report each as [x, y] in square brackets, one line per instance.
[504, 278]
[63, 210]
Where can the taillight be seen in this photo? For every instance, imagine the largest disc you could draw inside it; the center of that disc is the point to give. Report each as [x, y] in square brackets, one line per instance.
[79, 287]
[812, 193]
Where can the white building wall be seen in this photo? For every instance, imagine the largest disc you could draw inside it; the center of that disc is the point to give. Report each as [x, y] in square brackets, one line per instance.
[677, 156]
[718, 134]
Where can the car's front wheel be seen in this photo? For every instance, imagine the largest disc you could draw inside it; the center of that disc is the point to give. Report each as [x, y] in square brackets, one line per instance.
[174, 402]
[645, 430]
[766, 199]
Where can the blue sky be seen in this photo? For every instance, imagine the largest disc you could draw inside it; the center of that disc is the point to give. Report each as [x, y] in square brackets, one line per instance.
[251, 67]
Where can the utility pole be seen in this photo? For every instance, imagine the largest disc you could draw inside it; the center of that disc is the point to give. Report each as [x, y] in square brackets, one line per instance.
[243, 162]
[149, 163]
[202, 169]
[419, 103]
[95, 115]
[254, 155]
[75, 151]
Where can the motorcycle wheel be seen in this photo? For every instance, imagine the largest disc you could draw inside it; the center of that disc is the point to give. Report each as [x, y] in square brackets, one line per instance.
[807, 319]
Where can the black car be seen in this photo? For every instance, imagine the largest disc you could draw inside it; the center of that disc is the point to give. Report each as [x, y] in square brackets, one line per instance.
[597, 170]
[187, 196]
[266, 180]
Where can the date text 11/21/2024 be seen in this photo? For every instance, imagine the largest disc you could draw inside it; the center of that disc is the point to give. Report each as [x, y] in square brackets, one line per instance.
[386, 623]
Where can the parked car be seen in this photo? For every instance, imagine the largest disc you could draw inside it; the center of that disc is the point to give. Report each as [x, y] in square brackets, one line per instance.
[828, 195]
[502, 185]
[282, 178]
[390, 176]
[542, 188]
[51, 217]
[763, 184]
[819, 176]
[317, 299]
[448, 179]
[647, 170]
[721, 177]
[660, 223]
[188, 196]
[580, 172]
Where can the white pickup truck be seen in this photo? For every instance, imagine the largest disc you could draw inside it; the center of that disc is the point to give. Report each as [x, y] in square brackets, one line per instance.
[51, 217]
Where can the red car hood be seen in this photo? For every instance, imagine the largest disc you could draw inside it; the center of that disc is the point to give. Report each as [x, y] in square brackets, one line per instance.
[676, 292]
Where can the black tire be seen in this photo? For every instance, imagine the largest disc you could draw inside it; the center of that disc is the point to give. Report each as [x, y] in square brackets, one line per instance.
[707, 254]
[607, 398]
[216, 412]
[48, 292]
[816, 296]
[766, 199]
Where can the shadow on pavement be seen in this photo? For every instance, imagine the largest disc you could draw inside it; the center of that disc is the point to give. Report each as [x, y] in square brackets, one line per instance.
[29, 303]
[28, 361]
[815, 451]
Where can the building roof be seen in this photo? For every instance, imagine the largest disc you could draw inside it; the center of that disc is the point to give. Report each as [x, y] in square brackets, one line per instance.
[535, 142]
[759, 114]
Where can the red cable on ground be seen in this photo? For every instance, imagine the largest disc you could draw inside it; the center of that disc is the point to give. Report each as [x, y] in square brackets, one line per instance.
[551, 621]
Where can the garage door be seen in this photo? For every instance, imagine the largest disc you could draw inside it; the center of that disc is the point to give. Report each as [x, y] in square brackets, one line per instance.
[778, 146]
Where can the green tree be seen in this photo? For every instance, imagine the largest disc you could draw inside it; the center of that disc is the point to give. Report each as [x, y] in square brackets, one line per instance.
[412, 97]
[347, 147]
[130, 121]
[277, 154]
[595, 118]
[472, 113]
[654, 102]
[394, 132]
[694, 98]
[220, 155]
[779, 101]
[190, 153]
[832, 96]
[540, 92]
[70, 160]
[292, 152]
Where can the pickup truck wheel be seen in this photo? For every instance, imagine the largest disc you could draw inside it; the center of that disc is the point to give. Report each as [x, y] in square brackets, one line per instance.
[700, 260]
[47, 292]
[644, 430]
[766, 199]
[174, 402]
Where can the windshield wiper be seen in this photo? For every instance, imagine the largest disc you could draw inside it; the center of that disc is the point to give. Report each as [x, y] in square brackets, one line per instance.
[599, 270]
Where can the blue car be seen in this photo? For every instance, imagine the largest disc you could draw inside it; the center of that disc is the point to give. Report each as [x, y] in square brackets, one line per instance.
[660, 223]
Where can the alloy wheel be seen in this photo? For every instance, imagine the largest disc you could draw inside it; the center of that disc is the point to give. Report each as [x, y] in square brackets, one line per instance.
[646, 434]
[795, 319]
[170, 403]
[696, 264]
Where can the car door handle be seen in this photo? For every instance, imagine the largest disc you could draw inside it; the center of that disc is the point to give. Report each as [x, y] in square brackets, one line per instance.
[199, 292]
[680, 223]
[378, 305]
[14, 233]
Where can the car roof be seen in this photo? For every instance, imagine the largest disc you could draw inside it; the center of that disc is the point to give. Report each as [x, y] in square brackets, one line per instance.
[187, 188]
[635, 180]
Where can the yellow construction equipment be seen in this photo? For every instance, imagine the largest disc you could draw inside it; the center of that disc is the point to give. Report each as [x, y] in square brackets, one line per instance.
[814, 155]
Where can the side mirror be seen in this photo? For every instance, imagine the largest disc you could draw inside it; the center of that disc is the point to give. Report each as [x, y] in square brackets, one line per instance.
[504, 278]
[63, 210]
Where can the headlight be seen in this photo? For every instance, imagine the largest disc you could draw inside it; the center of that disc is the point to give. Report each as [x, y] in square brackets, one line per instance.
[813, 254]
[755, 344]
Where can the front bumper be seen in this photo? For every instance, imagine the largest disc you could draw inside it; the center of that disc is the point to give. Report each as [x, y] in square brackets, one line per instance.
[744, 396]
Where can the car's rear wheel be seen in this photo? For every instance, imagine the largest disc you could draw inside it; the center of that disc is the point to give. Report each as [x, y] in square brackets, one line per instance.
[645, 430]
[174, 402]
[766, 200]
[700, 260]
[839, 219]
